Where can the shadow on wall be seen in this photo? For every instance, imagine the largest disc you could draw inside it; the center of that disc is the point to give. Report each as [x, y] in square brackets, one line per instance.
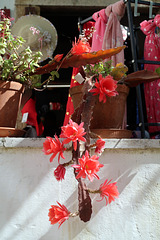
[127, 172]
[28, 188]
[24, 184]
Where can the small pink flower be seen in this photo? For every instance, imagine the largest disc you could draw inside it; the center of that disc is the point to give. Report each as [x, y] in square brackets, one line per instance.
[53, 146]
[105, 86]
[58, 214]
[108, 191]
[59, 172]
[88, 166]
[40, 39]
[34, 30]
[73, 132]
[100, 144]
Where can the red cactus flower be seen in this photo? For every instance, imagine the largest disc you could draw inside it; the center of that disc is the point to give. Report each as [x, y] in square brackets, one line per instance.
[79, 47]
[53, 146]
[105, 86]
[108, 191]
[59, 172]
[58, 214]
[88, 166]
[73, 132]
[100, 144]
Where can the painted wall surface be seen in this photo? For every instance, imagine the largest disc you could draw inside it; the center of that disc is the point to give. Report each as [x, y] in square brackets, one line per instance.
[28, 188]
[9, 4]
[67, 2]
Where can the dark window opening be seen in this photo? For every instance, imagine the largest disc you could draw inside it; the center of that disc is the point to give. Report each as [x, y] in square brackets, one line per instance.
[65, 21]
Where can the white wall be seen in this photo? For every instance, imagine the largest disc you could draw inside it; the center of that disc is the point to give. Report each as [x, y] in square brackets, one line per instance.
[9, 4]
[28, 188]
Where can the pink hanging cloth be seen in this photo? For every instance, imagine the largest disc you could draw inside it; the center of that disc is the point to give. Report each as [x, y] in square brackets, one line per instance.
[113, 36]
[100, 26]
[152, 53]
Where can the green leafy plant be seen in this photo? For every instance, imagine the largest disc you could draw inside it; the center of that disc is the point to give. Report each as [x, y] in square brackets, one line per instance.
[14, 65]
[24, 66]
[103, 68]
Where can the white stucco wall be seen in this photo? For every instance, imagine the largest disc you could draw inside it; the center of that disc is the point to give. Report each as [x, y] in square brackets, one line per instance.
[28, 188]
[9, 4]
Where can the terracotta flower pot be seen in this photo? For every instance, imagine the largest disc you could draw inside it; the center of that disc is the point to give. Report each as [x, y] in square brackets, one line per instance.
[10, 99]
[105, 115]
[112, 133]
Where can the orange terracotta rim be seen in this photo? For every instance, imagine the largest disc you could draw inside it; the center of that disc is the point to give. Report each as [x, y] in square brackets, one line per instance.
[112, 133]
[11, 132]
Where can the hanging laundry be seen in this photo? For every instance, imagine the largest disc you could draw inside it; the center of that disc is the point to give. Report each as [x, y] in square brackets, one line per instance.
[29, 110]
[100, 26]
[152, 53]
[125, 31]
[69, 106]
[113, 36]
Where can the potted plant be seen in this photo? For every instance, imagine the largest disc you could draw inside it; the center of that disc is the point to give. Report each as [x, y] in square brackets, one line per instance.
[15, 69]
[108, 115]
[91, 66]
[22, 68]
[85, 163]
[18, 63]
[77, 131]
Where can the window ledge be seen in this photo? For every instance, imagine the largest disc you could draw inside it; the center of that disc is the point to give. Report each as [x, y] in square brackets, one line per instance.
[110, 143]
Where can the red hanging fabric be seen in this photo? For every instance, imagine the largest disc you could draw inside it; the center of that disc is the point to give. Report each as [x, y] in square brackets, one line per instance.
[152, 53]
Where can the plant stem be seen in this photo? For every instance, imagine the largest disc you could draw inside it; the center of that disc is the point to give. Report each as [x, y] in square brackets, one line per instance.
[75, 214]
[68, 163]
[93, 191]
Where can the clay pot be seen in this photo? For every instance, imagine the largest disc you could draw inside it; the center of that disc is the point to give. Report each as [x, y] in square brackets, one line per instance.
[105, 115]
[112, 133]
[10, 99]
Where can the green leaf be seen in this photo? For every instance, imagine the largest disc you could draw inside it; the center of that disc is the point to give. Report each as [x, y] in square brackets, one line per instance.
[2, 51]
[158, 71]
[55, 73]
[37, 85]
